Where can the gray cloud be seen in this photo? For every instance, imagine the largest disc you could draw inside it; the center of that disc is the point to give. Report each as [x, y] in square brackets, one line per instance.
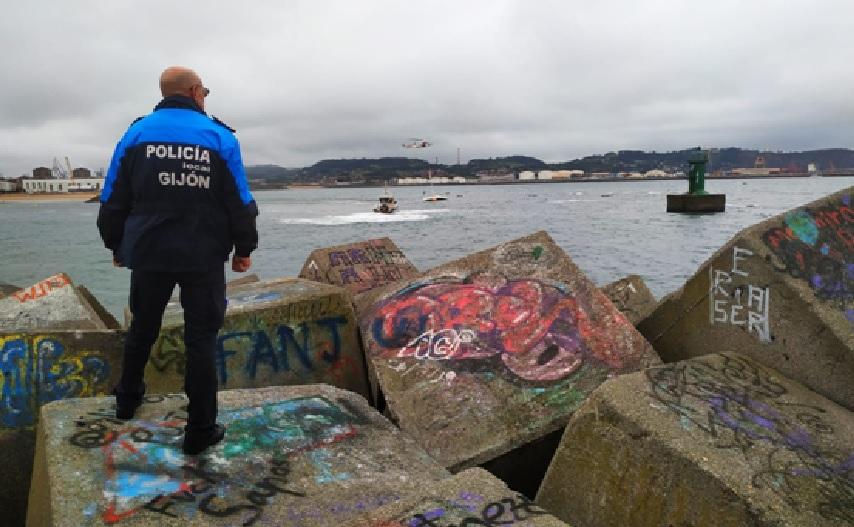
[307, 80]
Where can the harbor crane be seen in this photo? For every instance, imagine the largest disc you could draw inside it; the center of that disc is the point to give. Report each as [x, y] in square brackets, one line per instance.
[58, 171]
[62, 172]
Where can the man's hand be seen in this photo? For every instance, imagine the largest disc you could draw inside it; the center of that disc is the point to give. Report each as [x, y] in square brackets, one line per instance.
[117, 263]
[241, 264]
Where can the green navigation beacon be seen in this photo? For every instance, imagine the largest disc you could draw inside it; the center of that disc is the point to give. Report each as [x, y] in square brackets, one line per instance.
[696, 200]
[697, 160]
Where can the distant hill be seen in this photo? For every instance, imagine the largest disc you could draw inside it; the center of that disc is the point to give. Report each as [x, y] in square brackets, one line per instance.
[337, 166]
[378, 170]
[720, 159]
[270, 176]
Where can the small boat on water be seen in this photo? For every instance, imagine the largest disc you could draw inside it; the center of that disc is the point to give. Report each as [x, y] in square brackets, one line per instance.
[435, 197]
[387, 203]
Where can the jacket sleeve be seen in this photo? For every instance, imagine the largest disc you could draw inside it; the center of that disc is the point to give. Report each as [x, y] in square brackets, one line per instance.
[115, 198]
[241, 206]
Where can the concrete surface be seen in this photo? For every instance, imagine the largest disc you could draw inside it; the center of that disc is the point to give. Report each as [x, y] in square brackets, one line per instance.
[106, 317]
[359, 266]
[277, 332]
[37, 368]
[632, 297]
[483, 355]
[781, 292]
[298, 456]
[243, 280]
[53, 303]
[718, 441]
[472, 497]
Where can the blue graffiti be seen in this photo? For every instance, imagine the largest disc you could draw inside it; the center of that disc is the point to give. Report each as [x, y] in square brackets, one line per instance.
[290, 342]
[16, 387]
[35, 371]
[325, 473]
[803, 225]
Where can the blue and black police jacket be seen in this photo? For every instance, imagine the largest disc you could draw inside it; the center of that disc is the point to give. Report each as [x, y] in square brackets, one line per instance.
[175, 197]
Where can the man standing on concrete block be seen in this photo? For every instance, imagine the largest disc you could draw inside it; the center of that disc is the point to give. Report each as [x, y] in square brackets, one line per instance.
[175, 201]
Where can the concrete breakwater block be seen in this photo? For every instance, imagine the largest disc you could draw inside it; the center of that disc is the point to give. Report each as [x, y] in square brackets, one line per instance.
[7, 289]
[472, 497]
[243, 280]
[358, 266]
[53, 303]
[36, 368]
[106, 317]
[493, 351]
[781, 292]
[714, 441]
[277, 332]
[309, 455]
[632, 297]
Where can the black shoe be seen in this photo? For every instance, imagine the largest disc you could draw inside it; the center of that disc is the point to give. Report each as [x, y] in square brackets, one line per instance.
[126, 408]
[196, 443]
[127, 403]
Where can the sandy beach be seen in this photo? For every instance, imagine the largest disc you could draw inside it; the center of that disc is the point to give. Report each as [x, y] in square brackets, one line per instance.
[65, 196]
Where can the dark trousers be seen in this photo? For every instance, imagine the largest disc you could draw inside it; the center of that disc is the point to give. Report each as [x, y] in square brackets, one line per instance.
[203, 299]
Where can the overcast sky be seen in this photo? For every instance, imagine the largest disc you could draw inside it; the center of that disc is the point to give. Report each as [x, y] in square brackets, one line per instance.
[307, 80]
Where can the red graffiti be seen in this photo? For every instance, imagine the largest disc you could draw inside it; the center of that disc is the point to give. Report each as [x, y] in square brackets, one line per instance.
[42, 288]
[540, 332]
[816, 245]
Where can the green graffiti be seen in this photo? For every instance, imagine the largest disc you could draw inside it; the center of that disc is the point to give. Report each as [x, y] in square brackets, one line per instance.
[537, 252]
[570, 392]
[293, 423]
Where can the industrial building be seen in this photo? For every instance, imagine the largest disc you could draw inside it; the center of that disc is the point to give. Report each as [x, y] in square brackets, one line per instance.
[10, 185]
[61, 179]
[32, 186]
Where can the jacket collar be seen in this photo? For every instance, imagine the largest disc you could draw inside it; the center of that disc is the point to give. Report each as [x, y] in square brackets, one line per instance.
[179, 101]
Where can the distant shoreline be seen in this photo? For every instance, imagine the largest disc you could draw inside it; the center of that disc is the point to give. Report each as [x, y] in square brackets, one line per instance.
[549, 181]
[38, 197]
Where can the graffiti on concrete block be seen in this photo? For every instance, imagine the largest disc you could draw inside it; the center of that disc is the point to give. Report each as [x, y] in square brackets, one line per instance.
[146, 472]
[38, 369]
[536, 330]
[741, 408]
[252, 299]
[43, 288]
[734, 301]
[525, 257]
[817, 246]
[469, 509]
[372, 253]
[281, 348]
[365, 267]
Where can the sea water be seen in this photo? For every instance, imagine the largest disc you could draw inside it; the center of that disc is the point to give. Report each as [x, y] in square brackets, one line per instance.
[609, 229]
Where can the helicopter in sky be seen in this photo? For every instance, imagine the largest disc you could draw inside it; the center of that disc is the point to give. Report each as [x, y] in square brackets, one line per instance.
[416, 142]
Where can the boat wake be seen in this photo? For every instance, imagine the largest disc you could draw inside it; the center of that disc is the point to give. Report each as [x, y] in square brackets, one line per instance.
[366, 217]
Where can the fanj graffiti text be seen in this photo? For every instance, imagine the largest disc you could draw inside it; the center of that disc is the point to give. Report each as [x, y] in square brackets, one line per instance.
[281, 348]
